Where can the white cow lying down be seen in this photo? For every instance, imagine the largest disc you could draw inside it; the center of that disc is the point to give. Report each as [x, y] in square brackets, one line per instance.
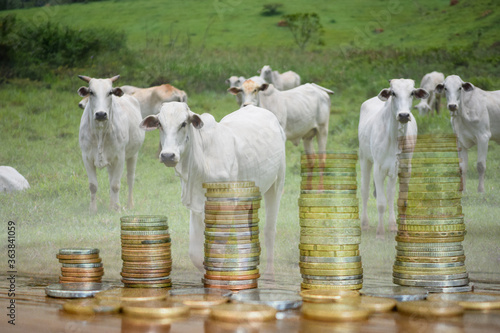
[382, 120]
[248, 144]
[11, 180]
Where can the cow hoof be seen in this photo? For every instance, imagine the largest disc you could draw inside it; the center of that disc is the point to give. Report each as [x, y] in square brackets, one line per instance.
[380, 236]
[365, 227]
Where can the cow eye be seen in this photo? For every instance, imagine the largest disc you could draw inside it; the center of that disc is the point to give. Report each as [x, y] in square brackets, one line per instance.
[393, 94]
[183, 124]
[91, 92]
[110, 93]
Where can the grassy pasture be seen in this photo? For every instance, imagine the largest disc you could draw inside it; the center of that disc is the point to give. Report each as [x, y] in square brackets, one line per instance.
[39, 120]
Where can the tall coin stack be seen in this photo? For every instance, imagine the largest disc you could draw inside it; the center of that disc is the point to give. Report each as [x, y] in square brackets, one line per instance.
[430, 222]
[232, 247]
[80, 265]
[330, 231]
[146, 254]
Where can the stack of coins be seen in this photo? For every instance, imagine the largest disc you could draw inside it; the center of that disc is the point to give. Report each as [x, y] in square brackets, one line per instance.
[330, 230]
[430, 222]
[232, 248]
[146, 255]
[80, 265]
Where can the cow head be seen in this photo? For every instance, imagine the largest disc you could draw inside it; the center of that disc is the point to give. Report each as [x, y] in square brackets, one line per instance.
[99, 94]
[423, 107]
[235, 81]
[453, 87]
[265, 73]
[174, 122]
[249, 92]
[401, 94]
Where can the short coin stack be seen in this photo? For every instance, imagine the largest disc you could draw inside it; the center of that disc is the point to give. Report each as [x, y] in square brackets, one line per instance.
[146, 255]
[232, 248]
[80, 265]
[430, 222]
[330, 231]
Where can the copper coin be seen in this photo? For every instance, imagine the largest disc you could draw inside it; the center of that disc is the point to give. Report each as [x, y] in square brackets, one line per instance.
[143, 237]
[146, 242]
[81, 270]
[63, 279]
[85, 275]
[80, 261]
[147, 282]
[77, 256]
[144, 275]
[242, 287]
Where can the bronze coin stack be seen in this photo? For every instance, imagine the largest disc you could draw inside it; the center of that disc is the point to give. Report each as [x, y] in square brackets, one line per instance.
[330, 231]
[232, 248]
[146, 255]
[80, 265]
[430, 220]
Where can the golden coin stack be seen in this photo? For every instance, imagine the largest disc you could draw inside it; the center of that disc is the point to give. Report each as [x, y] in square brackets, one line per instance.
[232, 248]
[146, 255]
[330, 231]
[80, 265]
[430, 221]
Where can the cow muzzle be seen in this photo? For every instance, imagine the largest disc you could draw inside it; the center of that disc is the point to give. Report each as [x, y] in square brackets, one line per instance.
[404, 117]
[169, 159]
[101, 115]
[452, 107]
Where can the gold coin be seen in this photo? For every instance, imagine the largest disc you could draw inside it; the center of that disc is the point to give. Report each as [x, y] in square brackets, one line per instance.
[429, 271]
[328, 216]
[328, 180]
[131, 294]
[430, 309]
[330, 265]
[228, 185]
[335, 155]
[330, 223]
[431, 259]
[155, 309]
[426, 195]
[431, 228]
[329, 209]
[331, 272]
[307, 253]
[429, 240]
[330, 240]
[241, 312]
[325, 232]
[231, 273]
[310, 286]
[328, 202]
[429, 203]
[199, 301]
[430, 160]
[339, 247]
[371, 303]
[469, 300]
[91, 306]
[436, 187]
[334, 312]
[305, 186]
[326, 295]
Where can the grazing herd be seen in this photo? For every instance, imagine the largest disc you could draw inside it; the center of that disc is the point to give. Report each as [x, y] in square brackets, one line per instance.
[249, 144]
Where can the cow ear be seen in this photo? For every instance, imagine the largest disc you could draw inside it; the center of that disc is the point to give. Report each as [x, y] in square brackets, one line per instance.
[227, 81]
[83, 91]
[195, 120]
[467, 86]
[264, 86]
[420, 93]
[384, 94]
[117, 91]
[150, 123]
[114, 78]
[439, 88]
[234, 90]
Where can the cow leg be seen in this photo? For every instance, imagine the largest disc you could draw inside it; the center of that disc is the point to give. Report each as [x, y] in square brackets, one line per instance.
[463, 154]
[308, 145]
[115, 172]
[391, 192]
[196, 239]
[131, 164]
[92, 176]
[378, 177]
[366, 168]
[482, 152]
[322, 137]
[272, 200]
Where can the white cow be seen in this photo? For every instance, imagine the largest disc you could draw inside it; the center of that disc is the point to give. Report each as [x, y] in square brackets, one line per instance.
[283, 81]
[475, 118]
[303, 112]
[11, 180]
[429, 83]
[382, 120]
[248, 144]
[150, 99]
[109, 136]
[236, 82]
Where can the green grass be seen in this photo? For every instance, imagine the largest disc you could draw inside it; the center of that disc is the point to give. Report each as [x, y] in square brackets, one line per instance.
[39, 120]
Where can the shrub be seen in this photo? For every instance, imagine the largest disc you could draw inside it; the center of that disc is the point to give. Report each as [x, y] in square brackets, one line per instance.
[305, 28]
[271, 9]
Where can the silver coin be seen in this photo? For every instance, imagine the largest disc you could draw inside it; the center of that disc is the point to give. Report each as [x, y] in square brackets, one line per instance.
[230, 234]
[429, 264]
[87, 265]
[166, 276]
[226, 226]
[430, 221]
[332, 278]
[78, 251]
[144, 232]
[427, 246]
[245, 264]
[255, 198]
[401, 294]
[328, 191]
[200, 291]
[451, 297]
[232, 246]
[427, 249]
[75, 290]
[231, 260]
[461, 289]
[230, 269]
[426, 283]
[228, 282]
[430, 254]
[333, 282]
[211, 252]
[277, 298]
[330, 259]
[435, 277]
